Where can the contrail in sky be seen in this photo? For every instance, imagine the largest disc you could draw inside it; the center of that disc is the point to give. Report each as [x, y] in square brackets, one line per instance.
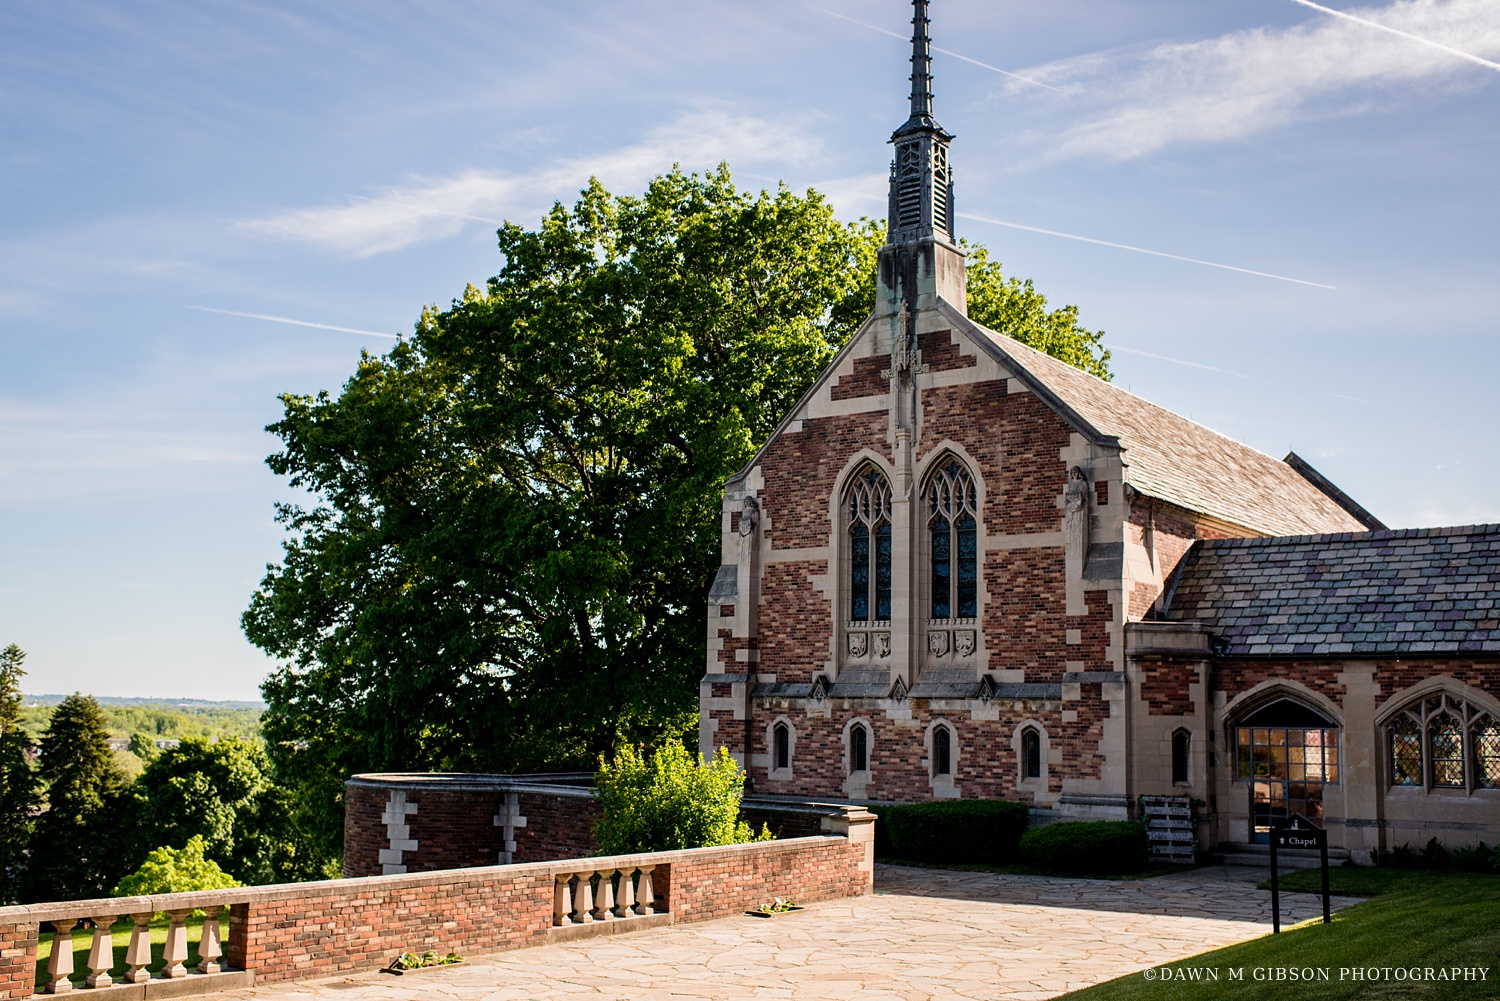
[1140, 250]
[295, 323]
[1182, 361]
[946, 52]
[1471, 57]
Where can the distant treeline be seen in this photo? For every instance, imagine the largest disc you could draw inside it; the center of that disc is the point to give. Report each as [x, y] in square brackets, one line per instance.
[159, 719]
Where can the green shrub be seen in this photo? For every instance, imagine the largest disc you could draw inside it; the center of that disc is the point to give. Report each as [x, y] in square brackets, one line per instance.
[1480, 858]
[956, 830]
[676, 800]
[1091, 847]
[176, 870]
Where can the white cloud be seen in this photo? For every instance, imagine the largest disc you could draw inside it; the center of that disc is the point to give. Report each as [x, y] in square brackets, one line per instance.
[402, 215]
[1236, 85]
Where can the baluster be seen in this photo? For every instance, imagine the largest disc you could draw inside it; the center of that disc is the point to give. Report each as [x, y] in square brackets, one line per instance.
[604, 909]
[583, 900]
[645, 896]
[138, 953]
[562, 899]
[176, 952]
[60, 963]
[209, 949]
[101, 952]
[625, 900]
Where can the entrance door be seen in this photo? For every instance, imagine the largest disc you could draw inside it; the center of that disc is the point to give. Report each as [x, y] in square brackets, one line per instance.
[1287, 753]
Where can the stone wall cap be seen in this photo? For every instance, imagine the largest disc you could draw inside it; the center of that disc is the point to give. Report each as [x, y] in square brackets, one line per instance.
[566, 784]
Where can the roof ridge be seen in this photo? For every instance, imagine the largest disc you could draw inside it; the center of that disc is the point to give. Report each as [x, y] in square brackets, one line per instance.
[1378, 535]
[1119, 389]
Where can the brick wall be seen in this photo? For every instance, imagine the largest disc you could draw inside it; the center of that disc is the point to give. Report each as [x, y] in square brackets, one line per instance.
[17, 958]
[334, 927]
[454, 822]
[557, 827]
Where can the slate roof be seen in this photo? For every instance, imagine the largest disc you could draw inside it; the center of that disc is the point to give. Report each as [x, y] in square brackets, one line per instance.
[1168, 456]
[1413, 592]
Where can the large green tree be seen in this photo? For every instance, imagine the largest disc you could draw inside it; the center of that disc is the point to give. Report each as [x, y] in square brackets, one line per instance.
[221, 793]
[18, 779]
[515, 521]
[77, 847]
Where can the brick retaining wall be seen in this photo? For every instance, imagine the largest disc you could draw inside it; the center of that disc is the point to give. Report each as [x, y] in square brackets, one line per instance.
[303, 930]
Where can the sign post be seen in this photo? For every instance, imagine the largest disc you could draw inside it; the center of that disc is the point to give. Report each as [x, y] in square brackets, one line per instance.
[1297, 832]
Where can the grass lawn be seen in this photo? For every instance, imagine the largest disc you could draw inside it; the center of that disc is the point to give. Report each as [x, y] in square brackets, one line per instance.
[83, 938]
[1416, 919]
[1154, 869]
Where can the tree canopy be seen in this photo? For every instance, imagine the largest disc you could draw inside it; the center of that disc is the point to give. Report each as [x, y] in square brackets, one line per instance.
[18, 780]
[516, 510]
[80, 834]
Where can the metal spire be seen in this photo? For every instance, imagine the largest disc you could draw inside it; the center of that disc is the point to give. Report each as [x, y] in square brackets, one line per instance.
[921, 62]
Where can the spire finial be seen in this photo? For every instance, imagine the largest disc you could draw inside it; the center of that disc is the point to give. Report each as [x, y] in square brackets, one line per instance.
[921, 61]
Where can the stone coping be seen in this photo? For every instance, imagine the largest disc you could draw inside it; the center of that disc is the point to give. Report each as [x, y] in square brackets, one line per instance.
[119, 906]
[556, 784]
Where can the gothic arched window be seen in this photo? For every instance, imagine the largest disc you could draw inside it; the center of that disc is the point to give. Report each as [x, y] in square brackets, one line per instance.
[1031, 754]
[953, 521]
[859, 748]
[1443, 741]
[942, 751]
[781, 737]
[1182, 744]
[869, 507]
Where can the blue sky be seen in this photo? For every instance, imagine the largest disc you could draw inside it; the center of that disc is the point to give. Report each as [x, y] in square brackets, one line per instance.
[345, 164]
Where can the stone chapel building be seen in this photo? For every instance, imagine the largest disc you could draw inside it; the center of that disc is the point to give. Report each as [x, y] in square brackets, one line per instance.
[962, 568]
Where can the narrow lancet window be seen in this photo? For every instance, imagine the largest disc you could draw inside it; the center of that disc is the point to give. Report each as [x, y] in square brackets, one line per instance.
[942, 751]
[782, 736]
[859, 748]
[869, 513]
[1182, 745]
[953, 521]
[1031, 754]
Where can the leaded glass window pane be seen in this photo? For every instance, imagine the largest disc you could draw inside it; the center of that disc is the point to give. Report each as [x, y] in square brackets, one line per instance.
[883, 571]
[1447, 743]
[783, 736]
[1406, 753]
[967, 585]
[859, 575]
[953, 523]
[942, 751]
[859, 749]
[1487, 754]
[869, 503]
[942, 582]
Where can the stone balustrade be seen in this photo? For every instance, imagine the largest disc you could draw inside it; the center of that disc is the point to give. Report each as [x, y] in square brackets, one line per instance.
[333, 927]
[591, 893]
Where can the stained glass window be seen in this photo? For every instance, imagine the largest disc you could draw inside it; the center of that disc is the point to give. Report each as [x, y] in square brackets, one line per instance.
[1406, 752]
[1447, 742]
[953, 524]
[1447, 736]
[1487, 753]
[869, 513]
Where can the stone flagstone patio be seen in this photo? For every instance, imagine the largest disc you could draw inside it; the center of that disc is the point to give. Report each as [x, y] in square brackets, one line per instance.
[925, 933]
